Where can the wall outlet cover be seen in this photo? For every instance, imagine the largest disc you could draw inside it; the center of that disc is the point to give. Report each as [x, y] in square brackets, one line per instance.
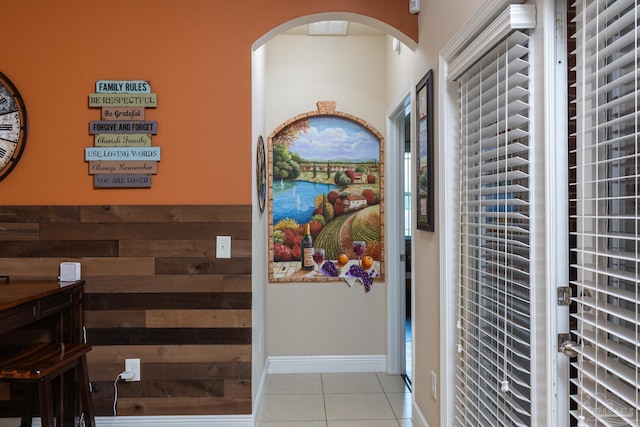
[133, 365]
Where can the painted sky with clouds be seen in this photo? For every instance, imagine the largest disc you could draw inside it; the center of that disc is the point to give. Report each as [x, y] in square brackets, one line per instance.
[335, 138]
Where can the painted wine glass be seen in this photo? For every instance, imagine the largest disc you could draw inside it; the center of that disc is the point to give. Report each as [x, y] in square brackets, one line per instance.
[358, 248]
[318, 257]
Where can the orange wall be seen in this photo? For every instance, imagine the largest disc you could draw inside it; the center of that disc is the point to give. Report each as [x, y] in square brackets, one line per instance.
[197, 56]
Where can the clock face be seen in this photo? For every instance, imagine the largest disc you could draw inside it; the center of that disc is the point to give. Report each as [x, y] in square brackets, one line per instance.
[13, 126]
[261, 174]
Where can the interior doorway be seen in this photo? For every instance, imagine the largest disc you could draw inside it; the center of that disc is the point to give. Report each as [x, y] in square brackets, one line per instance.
[406, 206]
[399, 175]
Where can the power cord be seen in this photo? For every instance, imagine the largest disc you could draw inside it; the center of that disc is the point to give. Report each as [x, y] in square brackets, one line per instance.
[124, 375]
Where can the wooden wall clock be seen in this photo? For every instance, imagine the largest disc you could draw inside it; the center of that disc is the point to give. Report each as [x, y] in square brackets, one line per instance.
[13, 126]
[261, 174]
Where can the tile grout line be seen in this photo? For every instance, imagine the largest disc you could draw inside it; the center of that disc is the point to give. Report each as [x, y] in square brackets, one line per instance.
[386, 396]
[324, 401]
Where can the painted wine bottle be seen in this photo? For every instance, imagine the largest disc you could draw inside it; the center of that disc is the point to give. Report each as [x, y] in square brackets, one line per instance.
[307, 249]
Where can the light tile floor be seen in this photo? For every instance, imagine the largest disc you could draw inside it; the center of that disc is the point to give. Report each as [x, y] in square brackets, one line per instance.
[335, 400]
[407, 349]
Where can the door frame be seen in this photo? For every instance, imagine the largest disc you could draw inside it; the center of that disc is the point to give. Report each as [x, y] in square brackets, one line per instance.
[395, 242]
[556, 212]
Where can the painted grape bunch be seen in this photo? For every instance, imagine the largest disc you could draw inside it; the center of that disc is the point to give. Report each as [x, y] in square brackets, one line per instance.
[365, 278]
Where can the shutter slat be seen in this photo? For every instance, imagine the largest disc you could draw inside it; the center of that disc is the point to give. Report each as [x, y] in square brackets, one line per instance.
[624, 352]
[610, 291]
[610, 272]
[499, 189]
[591, 321]
[497, 165]
[607, 408]
[610, 367]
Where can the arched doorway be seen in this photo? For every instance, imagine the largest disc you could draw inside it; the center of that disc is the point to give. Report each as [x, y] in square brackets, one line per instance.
[262, 108]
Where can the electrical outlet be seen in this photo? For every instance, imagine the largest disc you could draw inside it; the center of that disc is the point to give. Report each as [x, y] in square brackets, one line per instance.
[133, 365]
[434, 385]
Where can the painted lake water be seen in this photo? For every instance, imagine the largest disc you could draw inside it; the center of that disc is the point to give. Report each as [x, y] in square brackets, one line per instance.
[295, 199]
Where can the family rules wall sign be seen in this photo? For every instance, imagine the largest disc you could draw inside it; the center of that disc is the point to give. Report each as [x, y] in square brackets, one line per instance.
[122, 155]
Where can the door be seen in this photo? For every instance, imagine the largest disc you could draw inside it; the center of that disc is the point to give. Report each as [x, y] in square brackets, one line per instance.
[407, 224]
[604, 142]
[398, 130]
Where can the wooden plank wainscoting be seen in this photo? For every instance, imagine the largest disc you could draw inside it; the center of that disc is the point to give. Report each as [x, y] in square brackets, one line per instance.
[154, 291]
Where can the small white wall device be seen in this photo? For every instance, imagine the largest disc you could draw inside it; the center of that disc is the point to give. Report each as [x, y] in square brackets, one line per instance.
[414, 6]
[69, 271]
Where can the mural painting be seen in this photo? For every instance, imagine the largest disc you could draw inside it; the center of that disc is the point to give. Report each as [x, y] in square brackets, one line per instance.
[325, 171]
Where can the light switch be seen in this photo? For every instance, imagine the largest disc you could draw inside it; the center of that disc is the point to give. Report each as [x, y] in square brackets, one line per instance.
[223, 247]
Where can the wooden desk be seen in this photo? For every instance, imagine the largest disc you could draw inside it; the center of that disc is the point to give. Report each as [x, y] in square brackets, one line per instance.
[40, 304]
[23, 302]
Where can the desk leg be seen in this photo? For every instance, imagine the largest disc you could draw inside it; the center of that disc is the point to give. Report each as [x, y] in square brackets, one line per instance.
[68, 399]
[46, 402]
[85, 394]
[27, 405]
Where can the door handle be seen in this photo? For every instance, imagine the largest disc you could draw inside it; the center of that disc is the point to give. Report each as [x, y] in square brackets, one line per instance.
[568, 347]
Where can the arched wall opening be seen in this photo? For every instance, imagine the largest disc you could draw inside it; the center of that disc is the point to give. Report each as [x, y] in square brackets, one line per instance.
[298, 296]
[382, 26]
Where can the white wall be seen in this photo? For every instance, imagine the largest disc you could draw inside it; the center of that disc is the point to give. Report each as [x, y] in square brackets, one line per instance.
[302, 70]
[310, 319]
[259, 223]
[438, 21]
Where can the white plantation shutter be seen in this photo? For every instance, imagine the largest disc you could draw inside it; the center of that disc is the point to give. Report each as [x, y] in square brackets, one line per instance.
[606, 322]
[495, 350]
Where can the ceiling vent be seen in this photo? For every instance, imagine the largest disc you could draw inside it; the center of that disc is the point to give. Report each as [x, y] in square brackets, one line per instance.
[328, 28]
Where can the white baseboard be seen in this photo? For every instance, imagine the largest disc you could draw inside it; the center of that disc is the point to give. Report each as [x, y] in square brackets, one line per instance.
[417, 417]
[168, 421]
[274, 365]
[172, 421]
[260, 390]
[326, 364]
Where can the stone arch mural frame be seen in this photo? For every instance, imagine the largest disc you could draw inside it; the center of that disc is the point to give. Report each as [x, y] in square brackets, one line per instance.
[327, 170]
